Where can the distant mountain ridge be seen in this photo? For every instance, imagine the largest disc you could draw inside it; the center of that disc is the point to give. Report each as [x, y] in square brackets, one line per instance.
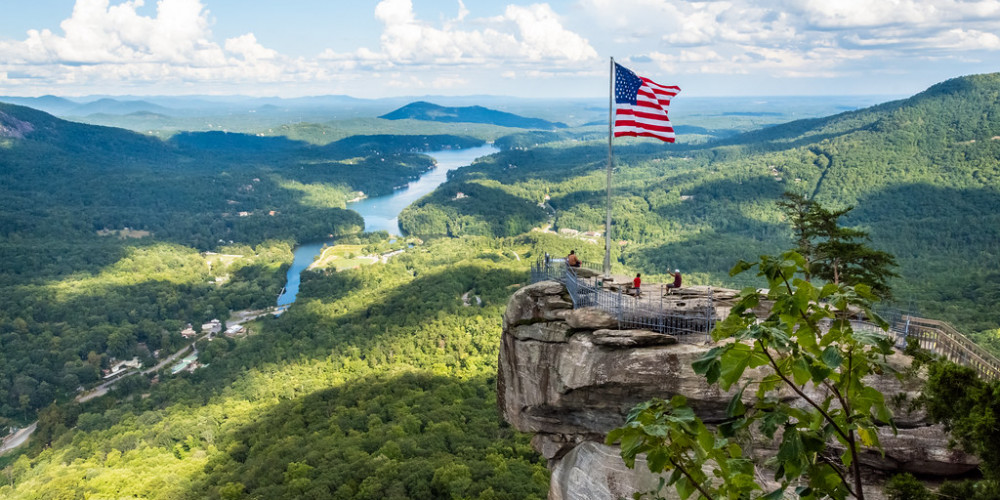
[116, 107]
[422, 110]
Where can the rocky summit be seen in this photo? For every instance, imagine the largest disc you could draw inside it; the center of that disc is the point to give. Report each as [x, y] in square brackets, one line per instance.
[569, 376]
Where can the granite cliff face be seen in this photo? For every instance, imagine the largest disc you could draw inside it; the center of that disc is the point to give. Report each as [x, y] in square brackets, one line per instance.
[569, 377]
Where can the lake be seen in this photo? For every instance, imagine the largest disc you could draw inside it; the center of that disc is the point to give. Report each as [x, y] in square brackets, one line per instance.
[382, 213]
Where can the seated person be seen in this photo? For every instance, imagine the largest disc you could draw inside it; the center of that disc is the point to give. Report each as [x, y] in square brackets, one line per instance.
[677, 280]
[572, 260]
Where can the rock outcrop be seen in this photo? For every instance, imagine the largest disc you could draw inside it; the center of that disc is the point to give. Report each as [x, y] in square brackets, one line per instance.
[568, 376]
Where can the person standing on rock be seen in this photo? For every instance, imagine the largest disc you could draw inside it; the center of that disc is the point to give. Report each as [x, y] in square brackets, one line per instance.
[677, 280]
[636, 284]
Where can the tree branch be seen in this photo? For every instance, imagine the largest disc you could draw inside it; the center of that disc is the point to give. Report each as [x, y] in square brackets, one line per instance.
[802, 394]
[833, 465]
[696, 484]
[855, 463]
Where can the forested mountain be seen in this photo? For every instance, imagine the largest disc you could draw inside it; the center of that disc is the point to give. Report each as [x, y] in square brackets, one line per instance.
[117, 107]
[101, 228]
[472, 114]
[47, 103]
[923, 173]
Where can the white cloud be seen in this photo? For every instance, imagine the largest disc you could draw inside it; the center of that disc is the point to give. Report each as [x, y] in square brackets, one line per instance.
[915, 13]
[246, 46]
[522, 34]
[102, 43]
[126, 45]
[794, 37]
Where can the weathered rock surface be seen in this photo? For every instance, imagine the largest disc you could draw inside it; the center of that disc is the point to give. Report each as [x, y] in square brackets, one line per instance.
[569, 376]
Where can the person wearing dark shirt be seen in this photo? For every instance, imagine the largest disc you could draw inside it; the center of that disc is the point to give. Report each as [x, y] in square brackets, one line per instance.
[635, 284]
[677, 279]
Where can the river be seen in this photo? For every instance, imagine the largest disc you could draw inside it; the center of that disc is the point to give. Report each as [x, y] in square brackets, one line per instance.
[382, 213]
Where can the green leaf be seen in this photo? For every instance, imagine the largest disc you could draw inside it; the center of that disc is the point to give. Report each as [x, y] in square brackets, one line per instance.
[771, 421]
[734, 362]
[800, 371]
[684, 487]
[709, 365]
[613, 436]
[801, 298]
[792, 452]
[831, 357]
[736, 408]
[740, 267]
[706, 439]
[777, 494]
[819, 373]
[632, 444]
[657, 460]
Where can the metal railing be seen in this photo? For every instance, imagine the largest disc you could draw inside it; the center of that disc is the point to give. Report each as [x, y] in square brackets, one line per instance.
[938, 338]
[695, 324]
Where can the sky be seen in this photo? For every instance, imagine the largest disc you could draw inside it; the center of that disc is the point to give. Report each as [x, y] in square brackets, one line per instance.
[559, 48]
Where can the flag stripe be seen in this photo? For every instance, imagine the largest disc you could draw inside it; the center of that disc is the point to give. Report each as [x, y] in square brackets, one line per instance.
[642, 106]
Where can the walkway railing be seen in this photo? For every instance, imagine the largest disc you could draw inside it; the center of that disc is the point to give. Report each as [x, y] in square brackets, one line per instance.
[696, 323]
[939, 338]
[693, 322]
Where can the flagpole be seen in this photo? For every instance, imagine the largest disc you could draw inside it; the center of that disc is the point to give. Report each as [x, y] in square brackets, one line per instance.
[607, 222]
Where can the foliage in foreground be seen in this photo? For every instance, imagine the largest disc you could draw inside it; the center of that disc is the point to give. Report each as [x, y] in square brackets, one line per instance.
[795, 351]
[969, 408]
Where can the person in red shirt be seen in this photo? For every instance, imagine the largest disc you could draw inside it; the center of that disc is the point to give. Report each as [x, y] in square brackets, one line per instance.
[636, 282]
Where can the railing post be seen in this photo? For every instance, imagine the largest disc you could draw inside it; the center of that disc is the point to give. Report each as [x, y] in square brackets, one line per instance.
[620, 315]
[711, 311]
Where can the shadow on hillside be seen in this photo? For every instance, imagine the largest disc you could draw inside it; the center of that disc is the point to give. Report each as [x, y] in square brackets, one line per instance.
[383, 144]
[315, 325]
[922, 220]
[459, 208]
[52, 259]
[412, 435]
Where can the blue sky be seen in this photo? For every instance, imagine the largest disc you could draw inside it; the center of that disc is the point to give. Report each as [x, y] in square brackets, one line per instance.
[379, 48]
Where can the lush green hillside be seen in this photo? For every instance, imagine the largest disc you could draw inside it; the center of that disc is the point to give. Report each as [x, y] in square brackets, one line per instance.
[101, 228]
[923, 173]
[378, 383]
[422, 110]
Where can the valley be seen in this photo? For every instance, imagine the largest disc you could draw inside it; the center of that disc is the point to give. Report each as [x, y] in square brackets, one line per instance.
[380, 380]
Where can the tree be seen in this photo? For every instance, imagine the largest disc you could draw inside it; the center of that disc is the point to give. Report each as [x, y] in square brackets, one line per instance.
[835, 253]
[969, 407]
[806, 339]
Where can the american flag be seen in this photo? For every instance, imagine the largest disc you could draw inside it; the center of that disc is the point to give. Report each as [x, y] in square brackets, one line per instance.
[641, 106]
